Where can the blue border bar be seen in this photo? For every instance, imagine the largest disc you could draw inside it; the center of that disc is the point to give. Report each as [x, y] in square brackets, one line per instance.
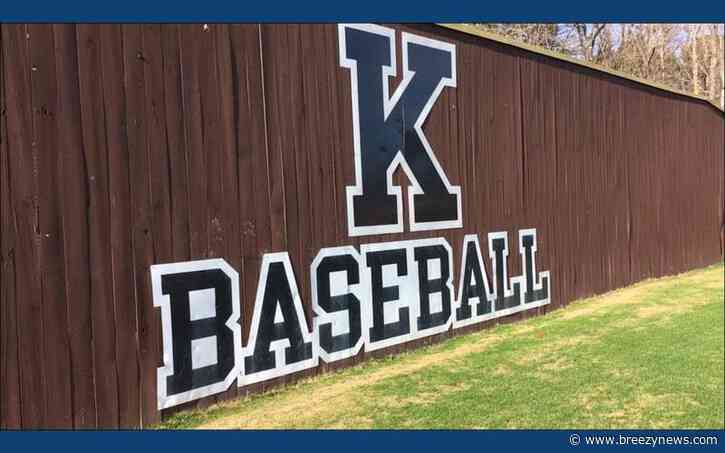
[345, 441]
[361, 11]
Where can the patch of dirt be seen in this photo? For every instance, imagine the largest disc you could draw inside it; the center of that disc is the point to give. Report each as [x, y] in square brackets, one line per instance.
[421, 398]
[356, 422]
[599, 304]
[502, 370]
[547, 351]
[594, 396]
[682, 305]
[619, 373]
[394, 401]
[524, 329]
[556, 365]
[645, 407]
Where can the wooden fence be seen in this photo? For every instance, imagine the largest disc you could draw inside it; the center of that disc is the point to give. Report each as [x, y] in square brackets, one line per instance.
[122, 146]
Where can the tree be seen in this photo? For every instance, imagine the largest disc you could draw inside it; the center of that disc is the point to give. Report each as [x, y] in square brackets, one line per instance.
[686, 57]
[543, 35]
[704, 56]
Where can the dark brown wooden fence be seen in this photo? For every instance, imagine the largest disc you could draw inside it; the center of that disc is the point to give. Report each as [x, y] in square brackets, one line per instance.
[122, 146]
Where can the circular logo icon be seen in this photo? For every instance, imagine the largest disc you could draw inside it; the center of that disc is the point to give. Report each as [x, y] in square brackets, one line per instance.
[574, 439]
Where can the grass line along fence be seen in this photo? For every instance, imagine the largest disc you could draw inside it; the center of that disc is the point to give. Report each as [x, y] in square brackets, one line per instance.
[127, 146]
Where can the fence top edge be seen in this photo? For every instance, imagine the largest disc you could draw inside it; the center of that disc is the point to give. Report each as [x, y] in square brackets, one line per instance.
[475, 31]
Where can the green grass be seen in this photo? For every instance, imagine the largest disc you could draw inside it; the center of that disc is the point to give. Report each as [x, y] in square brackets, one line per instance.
[647, 356]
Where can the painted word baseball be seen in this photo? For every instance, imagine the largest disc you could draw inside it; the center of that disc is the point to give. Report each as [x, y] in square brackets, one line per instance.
[371, 298]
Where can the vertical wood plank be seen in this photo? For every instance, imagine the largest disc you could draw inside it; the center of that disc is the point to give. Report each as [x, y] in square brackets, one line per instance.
[50, 227]
[175, 136]
[191, 37]
[75, 228]
[252, 166]
[127, 353]
[277, 177]
[148, 318]
[228, 95]
[157, 142]
[96, 153]
[10, 374]
[23, 178]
